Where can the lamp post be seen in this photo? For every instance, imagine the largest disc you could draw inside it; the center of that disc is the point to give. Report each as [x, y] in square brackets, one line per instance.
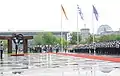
[17, 38]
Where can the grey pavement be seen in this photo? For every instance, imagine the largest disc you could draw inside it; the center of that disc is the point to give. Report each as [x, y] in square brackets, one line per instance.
[56, 65]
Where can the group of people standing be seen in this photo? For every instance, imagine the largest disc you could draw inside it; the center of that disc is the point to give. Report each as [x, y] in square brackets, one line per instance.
[46, 48]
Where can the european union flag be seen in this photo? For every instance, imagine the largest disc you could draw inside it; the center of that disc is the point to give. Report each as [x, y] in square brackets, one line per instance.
[80, 12]
[95, 12]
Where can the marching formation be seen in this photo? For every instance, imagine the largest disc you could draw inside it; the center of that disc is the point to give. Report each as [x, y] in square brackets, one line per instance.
[108, 47]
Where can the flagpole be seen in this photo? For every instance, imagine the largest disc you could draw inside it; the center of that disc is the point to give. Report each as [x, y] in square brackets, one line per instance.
[77, 29]
[93, 39]
[61, 32]
[93, 32]
[81, 15]
[93, 26]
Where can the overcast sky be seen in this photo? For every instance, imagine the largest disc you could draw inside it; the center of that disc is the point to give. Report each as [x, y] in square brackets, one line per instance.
[46, 14]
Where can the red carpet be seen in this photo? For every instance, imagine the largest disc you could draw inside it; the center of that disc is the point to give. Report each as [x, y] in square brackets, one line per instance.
[18, 54]
[105, 58]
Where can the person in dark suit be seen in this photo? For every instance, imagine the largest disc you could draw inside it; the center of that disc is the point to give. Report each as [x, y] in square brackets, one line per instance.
[1, 50]
[57, 49]
[40, 49]
[51, 49]
[65, 50]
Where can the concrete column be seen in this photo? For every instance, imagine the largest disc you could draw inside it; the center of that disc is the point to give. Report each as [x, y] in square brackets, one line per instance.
[9, 45]
[25, 46]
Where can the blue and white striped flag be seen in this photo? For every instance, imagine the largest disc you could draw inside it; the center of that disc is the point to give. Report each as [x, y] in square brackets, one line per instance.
[95, 12]
[80, 12]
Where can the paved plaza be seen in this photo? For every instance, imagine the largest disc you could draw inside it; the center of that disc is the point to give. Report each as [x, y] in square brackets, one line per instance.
[56, 65]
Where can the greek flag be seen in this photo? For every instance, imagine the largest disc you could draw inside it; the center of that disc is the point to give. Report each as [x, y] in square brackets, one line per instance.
[80, 12]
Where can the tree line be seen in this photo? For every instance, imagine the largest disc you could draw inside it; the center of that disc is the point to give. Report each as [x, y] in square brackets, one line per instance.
[48, 38]
[103, 38]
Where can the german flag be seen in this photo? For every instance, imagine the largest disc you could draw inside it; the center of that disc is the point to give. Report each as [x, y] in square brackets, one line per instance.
[64, 12]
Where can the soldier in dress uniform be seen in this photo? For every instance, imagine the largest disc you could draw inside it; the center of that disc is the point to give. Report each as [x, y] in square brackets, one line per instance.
[107, 47]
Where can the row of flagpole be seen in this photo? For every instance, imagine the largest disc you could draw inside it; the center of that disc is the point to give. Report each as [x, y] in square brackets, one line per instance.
[79, 11]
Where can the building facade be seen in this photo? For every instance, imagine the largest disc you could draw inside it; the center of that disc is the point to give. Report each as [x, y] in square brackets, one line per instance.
[85, 33]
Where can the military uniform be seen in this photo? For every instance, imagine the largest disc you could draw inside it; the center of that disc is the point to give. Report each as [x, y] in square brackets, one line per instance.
[108, 48]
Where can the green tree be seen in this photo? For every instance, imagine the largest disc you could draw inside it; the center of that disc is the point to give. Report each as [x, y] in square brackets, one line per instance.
[89, 39]
[49, 38]
[45, 38]
[74, 38]
[5, 44]
[64, 42]
[118, 37]
[107, 38]
[38, 39]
